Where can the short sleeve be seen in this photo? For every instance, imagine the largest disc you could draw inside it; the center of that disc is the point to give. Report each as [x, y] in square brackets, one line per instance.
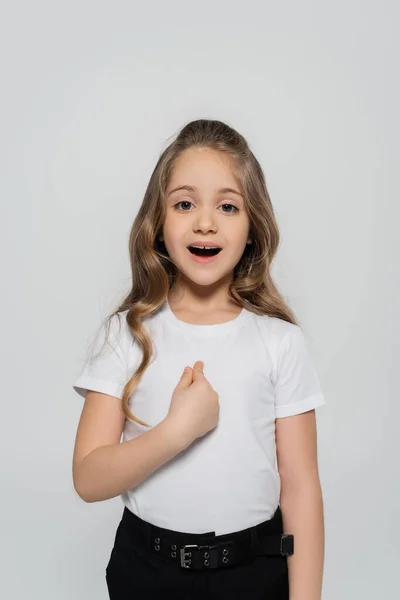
[105, 369]
[297, 387]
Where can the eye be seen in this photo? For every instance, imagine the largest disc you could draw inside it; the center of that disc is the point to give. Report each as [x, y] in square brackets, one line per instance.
[187, 202]
[232, 206]
[181, 202]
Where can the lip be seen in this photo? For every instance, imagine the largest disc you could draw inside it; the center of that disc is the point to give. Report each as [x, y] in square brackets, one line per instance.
[203, 259]
[203, 243]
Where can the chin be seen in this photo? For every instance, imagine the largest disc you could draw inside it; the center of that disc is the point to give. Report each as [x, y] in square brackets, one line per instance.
[205, 278]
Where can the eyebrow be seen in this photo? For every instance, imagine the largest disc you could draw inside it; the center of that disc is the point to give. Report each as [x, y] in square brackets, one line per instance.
[191, 188]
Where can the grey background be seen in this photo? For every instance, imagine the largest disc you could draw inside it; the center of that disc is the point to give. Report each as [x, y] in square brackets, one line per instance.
[90, 94]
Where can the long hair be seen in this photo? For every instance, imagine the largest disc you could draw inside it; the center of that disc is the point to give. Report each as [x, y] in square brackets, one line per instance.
[153, 272]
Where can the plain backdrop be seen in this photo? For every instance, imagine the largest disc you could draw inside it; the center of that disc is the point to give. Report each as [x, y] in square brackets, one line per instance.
[91, 92]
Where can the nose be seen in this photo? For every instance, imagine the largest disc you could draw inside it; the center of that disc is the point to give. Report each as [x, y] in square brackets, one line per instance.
[204, 220]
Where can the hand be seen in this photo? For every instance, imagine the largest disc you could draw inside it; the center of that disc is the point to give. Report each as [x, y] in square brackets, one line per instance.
[194, 408]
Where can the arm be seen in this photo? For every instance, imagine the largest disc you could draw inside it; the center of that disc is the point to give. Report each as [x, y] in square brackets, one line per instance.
[103, 467]
[301, 503]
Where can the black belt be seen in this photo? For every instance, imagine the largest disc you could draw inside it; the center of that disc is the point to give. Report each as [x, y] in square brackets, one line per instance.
[229, 553]
[211, 552]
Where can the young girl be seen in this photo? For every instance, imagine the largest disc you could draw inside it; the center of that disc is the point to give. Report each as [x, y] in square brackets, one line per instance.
[217, 468]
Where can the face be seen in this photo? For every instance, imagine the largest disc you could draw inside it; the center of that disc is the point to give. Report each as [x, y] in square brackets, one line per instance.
[208, 212]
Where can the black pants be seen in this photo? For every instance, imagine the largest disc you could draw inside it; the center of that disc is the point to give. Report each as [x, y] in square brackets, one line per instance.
[134, 572]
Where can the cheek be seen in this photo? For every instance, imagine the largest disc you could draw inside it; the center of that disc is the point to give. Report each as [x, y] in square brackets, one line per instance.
[168, 226]
[173, 232]
[237, 236]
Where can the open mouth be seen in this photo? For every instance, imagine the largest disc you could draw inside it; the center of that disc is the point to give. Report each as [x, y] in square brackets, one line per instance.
[204, 251]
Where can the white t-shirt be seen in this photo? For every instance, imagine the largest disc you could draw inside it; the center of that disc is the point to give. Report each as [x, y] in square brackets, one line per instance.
[261, 368]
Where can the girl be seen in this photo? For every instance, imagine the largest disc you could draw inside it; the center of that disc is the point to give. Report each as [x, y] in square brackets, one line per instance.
[217, 468]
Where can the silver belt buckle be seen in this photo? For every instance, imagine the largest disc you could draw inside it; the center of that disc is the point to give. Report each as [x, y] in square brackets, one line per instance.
[185, 555]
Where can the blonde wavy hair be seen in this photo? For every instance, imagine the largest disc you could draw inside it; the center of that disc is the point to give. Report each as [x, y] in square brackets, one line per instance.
[153, 272]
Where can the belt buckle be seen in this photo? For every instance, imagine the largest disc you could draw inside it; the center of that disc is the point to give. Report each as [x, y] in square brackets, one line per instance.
[289, 538]
[185, 561]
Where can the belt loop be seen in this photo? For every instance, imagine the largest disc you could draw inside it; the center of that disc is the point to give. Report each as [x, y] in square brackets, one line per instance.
[253, 539]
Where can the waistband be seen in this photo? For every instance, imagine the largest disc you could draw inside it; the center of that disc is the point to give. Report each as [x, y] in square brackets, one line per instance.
[207, 550]
[144, 531]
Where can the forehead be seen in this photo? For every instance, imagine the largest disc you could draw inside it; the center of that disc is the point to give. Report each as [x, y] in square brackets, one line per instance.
[203, 167]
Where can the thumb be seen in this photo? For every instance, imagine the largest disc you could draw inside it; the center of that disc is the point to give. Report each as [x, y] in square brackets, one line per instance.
[198, 370]
[186, 378]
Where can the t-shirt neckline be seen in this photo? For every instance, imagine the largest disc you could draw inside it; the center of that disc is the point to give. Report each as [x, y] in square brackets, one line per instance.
[206, 330]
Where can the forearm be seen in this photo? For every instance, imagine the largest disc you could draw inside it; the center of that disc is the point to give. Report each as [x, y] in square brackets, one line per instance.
[302, 514]
[110, 470]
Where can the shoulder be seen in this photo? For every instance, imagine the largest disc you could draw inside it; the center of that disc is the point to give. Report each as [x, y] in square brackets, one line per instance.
[116, 324]
[275, 330]
[120, 331]
[113, 332]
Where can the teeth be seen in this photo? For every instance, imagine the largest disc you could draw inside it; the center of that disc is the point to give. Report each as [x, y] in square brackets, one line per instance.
[205, 247]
